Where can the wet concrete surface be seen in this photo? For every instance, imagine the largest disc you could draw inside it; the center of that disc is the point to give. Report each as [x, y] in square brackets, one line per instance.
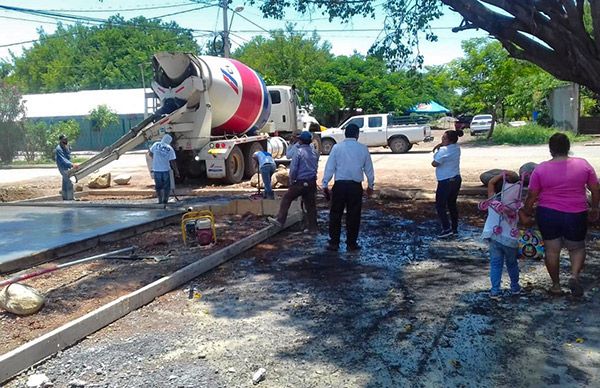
[27, 230]
[408, 310]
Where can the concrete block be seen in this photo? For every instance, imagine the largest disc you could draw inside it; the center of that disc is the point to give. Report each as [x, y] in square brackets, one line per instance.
[270, 207]
[224, 209]
[245, 205]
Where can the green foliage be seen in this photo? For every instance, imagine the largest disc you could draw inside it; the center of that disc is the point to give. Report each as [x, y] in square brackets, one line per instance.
[70, 128]
[102, 117]
[80, 57]
[529, 134]
[286, 57]
[12, 111]
[35, 134]
[327, 99]
[492, 82]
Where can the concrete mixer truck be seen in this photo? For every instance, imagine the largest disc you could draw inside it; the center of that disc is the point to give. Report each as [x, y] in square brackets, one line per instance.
[218, 111]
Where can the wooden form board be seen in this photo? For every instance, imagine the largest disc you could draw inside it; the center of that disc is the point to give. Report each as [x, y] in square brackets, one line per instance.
[28, 354]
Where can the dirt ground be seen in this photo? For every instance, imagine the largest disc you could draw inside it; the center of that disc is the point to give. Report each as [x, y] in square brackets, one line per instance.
[408, 310]
[75, 291]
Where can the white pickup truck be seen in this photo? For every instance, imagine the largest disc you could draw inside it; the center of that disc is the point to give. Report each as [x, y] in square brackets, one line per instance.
[380, 130]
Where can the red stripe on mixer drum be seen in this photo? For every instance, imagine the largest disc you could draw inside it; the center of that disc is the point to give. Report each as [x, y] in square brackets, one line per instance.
[250, 104]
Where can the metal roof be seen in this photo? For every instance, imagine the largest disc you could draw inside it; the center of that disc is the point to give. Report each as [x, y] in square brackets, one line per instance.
[120, 101]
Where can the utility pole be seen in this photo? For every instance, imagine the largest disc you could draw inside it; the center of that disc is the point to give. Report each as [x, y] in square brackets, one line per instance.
[225, 29]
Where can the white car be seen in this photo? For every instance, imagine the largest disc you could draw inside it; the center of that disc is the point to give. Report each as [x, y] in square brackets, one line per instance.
[481, 124]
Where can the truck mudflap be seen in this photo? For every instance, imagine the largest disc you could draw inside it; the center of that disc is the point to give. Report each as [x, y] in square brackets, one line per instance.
[428, 139]
[215, 169]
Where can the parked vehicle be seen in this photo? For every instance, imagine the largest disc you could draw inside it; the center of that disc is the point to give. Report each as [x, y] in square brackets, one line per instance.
[219, 113]
[463, 122]
[380, 130]
[481, 124]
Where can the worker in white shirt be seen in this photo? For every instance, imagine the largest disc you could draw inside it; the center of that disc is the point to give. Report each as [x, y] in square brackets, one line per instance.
[349, 161]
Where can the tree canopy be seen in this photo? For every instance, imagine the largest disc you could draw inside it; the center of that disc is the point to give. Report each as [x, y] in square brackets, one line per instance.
[111, 55]
[562, 37]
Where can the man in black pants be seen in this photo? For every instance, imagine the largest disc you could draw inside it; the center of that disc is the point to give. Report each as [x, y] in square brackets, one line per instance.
[303, 182]
[349, 161]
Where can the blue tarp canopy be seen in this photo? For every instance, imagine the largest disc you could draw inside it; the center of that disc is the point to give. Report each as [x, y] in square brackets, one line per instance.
[428, 107]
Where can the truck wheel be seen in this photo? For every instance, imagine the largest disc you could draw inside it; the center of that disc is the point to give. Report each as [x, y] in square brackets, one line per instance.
[234, 166]
[399, 145]
[317, 143]
[251, 167]
[326, 146]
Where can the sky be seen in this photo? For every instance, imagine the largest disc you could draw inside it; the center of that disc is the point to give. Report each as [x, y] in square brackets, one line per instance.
[345, 39]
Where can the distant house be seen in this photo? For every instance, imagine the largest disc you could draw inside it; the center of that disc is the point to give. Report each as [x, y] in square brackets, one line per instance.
[129, 104]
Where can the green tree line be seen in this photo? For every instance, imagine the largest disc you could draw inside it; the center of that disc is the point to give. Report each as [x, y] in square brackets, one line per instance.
[114, 55]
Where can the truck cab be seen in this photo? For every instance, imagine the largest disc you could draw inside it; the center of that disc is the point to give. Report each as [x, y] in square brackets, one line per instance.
[285, 109]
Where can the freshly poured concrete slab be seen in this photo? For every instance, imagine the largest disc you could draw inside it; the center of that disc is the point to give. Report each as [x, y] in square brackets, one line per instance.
[27, 231]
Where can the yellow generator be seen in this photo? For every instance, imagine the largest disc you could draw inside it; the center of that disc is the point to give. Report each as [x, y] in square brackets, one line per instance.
[198, 229]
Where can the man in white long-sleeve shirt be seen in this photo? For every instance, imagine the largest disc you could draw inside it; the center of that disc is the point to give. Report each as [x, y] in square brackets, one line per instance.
[349, 161]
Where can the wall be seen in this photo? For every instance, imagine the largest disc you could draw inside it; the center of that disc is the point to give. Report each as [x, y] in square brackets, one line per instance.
[92, 140]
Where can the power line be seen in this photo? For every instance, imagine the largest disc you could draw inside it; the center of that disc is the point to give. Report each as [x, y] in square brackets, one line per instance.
[120, 9]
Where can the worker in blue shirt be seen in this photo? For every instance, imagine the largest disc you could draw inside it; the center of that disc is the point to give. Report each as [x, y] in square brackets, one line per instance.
[303, 182]
[64, 164]
[349, 161]
[266, 168]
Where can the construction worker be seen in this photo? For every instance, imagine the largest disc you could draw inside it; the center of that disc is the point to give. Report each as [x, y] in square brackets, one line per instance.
[64, 164]
[349, 161]
[303, 182]
[266, 168]
[163, 160]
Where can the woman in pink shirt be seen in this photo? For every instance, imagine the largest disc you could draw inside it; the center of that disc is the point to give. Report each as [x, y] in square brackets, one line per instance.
[558, 186]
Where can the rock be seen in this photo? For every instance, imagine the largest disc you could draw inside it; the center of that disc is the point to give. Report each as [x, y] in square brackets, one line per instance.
[281, 178]
[39, 380]
[99, 181]
[77, 383]
[396, 194]
[254, 181]
[21, 299]
[122, 179]
[526, 170]
[259, 376]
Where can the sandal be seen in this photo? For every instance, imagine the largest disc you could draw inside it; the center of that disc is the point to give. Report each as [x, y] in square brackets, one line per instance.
[555, 290]
[575, 286]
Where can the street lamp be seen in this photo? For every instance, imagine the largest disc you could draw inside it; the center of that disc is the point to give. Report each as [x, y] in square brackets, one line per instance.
[226, 28]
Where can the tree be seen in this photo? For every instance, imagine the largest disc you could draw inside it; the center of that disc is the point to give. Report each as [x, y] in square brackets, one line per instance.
[327, 99]
[80, 57]
[12, 111]
[101, 118]
[35, 135]
[561, 37]
[69, 128]
[286, 57]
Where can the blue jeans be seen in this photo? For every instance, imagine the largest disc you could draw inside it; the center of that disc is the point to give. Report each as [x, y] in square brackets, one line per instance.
[265, 173]
[162, 185]
[445, 199]
[67, 186]
[500, 254]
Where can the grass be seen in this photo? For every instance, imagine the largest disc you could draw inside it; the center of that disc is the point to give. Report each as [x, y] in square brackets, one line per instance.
[528, 134]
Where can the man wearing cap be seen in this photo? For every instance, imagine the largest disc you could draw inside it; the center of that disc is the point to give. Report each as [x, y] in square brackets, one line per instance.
[64, 164]
[163, 159]
[303, 182]
[349, 161]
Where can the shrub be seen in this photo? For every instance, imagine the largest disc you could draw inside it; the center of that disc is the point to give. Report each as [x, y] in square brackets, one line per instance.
[35, 134]
[529, 134]
[70, 128]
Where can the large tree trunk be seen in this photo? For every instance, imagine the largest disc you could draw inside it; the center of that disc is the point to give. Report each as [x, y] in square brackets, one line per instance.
[562, 46]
